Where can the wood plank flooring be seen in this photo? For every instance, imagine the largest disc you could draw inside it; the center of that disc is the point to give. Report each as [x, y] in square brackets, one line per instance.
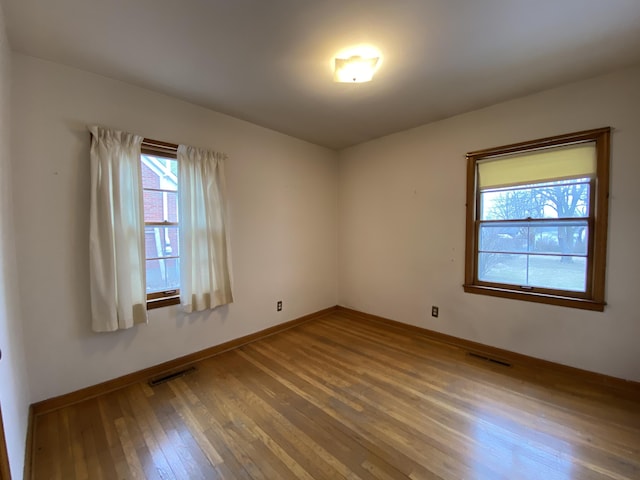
[341, 398]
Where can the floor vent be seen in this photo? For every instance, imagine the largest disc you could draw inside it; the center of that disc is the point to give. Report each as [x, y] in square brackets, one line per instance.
[170, 376]
[489, 359]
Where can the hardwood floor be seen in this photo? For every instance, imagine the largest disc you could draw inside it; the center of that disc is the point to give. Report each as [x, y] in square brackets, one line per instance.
[345, 398]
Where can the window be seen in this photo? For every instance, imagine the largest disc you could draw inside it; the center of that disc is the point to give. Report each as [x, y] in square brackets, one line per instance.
[161, 230]
[157, 241]
[537, 220]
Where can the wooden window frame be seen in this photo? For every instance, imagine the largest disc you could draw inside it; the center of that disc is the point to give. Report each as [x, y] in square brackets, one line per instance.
[594, 297]
[165, 150]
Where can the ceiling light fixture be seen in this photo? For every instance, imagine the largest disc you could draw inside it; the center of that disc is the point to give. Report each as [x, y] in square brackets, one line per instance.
[355, 69]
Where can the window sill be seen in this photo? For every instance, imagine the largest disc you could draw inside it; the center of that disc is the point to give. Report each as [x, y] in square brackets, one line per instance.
[162, 302]
[585, 304]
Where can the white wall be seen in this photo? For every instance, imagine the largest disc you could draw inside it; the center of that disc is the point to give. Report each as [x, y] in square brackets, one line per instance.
[14, 393]
[283, 211]
[398, 232]
[402, 228]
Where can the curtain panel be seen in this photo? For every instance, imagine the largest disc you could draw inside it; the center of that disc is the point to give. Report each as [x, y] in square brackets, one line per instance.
[116, 239]
[205, 280]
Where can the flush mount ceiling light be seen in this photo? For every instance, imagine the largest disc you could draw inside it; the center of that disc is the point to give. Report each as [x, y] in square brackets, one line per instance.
[356, 66]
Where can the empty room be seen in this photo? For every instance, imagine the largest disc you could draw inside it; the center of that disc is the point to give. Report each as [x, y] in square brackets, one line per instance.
[287, 239]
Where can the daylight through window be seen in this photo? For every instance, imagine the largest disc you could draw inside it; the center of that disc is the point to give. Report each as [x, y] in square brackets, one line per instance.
[536, 220]
[161, 236]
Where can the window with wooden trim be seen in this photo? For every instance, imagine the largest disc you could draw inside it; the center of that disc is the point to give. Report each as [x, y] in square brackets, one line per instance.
[161, 232]
[537, 220]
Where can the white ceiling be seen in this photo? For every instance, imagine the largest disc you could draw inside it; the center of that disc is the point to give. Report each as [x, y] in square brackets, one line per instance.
[270, 61]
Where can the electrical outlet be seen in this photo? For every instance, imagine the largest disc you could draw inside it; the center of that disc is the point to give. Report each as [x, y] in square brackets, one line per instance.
[434, 311]
[279, 306]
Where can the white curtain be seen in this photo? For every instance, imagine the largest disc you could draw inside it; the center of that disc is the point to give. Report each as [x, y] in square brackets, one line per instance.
[205, 281]
[117, 264]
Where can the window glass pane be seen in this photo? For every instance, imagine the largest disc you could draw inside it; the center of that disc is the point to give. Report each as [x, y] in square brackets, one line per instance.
[159, 173]
[160, 186]
[163, 275]
[502, 268]
[563, 273]
[565, 199]
[544, 271]
[161, 242]
[160, 206]
[554, 237]
[495, 238]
